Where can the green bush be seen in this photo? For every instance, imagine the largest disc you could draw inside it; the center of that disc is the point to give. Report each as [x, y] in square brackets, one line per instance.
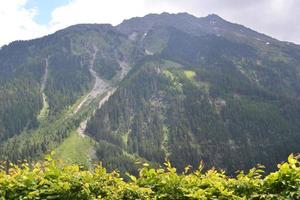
[51, 179]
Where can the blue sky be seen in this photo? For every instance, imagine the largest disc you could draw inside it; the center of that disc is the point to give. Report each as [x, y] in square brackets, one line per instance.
[28, 19]
[44, 9]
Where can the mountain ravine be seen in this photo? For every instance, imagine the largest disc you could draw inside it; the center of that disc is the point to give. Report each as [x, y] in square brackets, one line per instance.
[154, 88]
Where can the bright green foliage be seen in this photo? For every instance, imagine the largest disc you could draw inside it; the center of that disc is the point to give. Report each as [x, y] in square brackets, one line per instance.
[190, 74]
[54, 180]
[76, 149]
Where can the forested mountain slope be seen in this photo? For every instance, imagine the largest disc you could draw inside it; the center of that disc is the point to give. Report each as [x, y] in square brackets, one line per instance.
[207, 90]
[45, 83]
[169, 86]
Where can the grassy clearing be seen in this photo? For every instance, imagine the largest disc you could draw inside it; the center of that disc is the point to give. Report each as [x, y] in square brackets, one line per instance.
[189, 74]
[165, 141]
[45, 110]
[76, 149]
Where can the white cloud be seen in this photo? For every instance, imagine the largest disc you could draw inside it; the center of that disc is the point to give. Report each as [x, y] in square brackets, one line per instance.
[105, 11]
[277, 18]
[17, 22]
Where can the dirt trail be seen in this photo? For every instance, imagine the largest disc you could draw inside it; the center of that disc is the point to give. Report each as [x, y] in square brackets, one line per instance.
[106, 97]
[43, 86]
[82, 127]
[100, 86]
[124, 69]
[44, 79]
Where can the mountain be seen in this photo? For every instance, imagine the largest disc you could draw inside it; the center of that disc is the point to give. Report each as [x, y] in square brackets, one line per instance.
[163, 86]
[49, 85]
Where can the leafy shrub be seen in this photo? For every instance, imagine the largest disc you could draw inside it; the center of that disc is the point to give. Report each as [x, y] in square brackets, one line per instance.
[51, 179]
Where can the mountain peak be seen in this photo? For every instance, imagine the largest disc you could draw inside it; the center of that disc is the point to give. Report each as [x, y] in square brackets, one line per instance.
[214, 16]
[143, 24]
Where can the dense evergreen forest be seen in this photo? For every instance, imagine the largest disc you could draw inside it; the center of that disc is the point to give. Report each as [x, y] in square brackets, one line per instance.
[31, 127]
[199, 96]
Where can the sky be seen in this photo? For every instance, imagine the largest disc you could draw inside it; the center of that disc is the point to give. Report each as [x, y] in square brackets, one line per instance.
[28, 19]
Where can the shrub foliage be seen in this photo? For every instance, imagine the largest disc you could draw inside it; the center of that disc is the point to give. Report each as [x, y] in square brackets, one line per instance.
[51, 179]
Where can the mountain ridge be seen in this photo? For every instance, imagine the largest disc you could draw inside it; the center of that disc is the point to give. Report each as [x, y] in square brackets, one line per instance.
[184, 88]
[209, 16]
